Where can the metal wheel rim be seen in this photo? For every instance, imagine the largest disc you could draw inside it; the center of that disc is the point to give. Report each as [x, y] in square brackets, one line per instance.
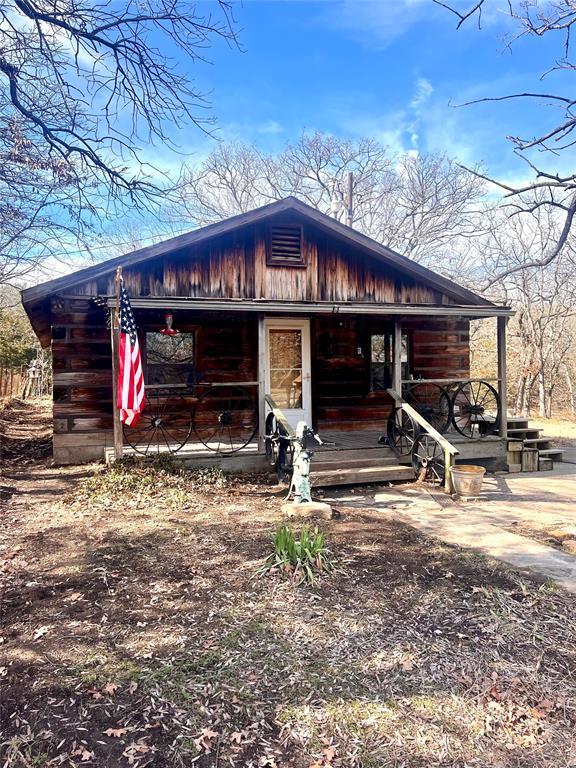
[470, 408]
[433, 402]
[218, 437]
[428, 460]
[401, 431]
[153, 433]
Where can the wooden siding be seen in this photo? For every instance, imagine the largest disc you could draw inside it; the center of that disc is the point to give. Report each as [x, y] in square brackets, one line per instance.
[234, 266]
[81, 350]
[341, 365]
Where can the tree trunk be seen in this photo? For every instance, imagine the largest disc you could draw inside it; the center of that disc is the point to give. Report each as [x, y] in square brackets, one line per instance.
[570, 387]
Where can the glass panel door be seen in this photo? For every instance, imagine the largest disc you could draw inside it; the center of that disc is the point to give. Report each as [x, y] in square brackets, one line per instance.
[288, 368]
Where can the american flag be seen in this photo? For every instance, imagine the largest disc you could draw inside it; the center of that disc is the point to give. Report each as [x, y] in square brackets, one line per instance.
[131, 395]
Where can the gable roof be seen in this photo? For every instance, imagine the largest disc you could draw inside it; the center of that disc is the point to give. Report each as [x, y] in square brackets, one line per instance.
[287, 205]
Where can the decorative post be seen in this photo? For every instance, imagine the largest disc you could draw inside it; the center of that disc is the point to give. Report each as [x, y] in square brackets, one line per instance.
[300, 483]
[397, 361]
[502, 382]
[114, 331]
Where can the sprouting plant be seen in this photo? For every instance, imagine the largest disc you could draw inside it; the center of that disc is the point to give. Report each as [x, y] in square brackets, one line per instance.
[302, 558]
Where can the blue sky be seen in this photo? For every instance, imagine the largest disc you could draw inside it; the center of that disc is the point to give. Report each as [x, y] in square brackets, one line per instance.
[388, 69]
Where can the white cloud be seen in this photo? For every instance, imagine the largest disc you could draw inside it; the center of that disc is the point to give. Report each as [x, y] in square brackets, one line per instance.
[270, 126]
[424, 91]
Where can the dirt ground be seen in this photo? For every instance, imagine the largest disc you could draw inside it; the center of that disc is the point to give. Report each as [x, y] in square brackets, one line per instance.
[136, 632]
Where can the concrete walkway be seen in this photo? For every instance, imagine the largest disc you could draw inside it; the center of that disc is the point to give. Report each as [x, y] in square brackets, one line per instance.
[540, 500]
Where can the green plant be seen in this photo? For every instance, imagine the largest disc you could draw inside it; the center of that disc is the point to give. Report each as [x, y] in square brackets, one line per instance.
[300, 558]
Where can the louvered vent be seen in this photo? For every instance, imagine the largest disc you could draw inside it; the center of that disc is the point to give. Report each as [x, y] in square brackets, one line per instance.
[285, 245]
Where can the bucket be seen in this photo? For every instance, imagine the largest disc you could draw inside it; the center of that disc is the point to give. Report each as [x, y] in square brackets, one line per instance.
[467, 479]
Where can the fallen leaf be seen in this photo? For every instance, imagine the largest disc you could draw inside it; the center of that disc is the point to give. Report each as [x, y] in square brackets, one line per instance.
[40, 632]
[110, 688]
[205, 740]
[133, 687]
[117, 733]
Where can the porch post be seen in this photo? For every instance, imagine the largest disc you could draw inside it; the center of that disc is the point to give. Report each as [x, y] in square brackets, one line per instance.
[118, 437]
[397, 362]
[502, 386]
[261, 381]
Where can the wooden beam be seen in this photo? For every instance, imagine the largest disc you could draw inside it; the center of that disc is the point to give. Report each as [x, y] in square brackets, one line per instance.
[314, 307]
[261, 382]
[397, 362]
[450, 451]
[115, 335]
[502, 381]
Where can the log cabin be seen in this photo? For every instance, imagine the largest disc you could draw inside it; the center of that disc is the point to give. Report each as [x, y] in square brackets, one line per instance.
[286, 302]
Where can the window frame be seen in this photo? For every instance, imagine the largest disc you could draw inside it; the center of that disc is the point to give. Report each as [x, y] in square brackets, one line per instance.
[272, 261]
[190, 366]
[389, 366]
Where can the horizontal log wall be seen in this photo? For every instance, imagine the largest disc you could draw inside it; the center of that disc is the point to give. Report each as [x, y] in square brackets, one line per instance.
[81, 350]
[341, 365]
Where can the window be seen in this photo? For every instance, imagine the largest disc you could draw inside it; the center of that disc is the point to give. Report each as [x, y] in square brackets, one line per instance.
[284, 247]
[170, 359]
[382, 359]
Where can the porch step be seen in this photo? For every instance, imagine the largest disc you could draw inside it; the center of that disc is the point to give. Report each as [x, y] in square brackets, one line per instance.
[319, 464]
[541, 443]
[524, 433]
[517, 422]
[551, 453]
[519, 429]
[360, 475]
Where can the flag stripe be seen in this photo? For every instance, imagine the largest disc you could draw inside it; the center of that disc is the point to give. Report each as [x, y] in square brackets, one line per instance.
[131, 392]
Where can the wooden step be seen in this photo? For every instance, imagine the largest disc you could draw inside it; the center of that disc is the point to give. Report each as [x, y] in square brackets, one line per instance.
[517, 422]
[341, 455]
[551, 453]
[360, 475]
[525, 433]
[320, 464]
[541, 443]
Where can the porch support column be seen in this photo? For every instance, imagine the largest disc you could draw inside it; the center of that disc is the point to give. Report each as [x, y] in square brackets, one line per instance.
[502, 384]
[397, 362]
[261, 381]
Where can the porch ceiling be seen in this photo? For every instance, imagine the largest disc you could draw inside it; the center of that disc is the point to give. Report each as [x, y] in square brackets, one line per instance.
[316, 307]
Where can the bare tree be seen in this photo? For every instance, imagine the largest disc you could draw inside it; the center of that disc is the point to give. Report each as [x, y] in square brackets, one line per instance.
[549, 188]
[542, 333]
[84, 87]
[417, 205]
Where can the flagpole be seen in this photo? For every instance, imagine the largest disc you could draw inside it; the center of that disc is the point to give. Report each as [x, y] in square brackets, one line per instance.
[115, 330]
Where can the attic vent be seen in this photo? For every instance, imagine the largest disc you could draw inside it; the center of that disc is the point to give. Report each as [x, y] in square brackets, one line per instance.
[285, 245]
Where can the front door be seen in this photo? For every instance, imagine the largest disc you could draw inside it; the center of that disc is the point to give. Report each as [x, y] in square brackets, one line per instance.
[288, 368]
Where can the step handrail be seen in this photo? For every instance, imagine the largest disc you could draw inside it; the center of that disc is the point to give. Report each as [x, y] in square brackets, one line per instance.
[281, 418]
[450, 451]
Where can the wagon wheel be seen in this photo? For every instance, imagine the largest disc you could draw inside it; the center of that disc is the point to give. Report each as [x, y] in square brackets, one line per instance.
[401, 431]
[226, 418]
[476, 409]
[432, 402]
[279, 449]
[164, 426]
[428, 460]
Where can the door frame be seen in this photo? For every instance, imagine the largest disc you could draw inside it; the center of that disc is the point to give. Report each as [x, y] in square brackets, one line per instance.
[300, 323]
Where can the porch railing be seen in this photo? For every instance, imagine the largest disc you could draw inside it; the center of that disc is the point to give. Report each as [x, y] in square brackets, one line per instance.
[450, 451]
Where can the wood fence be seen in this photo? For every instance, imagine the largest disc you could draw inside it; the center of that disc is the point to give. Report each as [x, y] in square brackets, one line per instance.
[25, 381]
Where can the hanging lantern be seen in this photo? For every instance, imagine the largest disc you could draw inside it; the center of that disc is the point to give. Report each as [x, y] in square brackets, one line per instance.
[169, 331]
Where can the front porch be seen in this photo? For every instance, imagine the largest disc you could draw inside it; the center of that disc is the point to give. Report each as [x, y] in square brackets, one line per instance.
[338, 371]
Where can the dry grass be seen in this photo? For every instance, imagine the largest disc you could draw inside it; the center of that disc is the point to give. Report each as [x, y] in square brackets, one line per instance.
[562, 431]
[136, 633]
